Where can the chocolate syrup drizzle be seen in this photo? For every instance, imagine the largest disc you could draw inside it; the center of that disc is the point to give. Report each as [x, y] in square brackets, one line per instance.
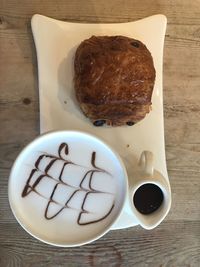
[63, 151]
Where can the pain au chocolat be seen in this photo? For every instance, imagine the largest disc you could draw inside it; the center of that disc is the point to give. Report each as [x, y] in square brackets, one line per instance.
[114, 80]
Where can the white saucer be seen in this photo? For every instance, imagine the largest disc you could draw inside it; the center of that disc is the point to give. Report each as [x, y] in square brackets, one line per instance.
[56, 42]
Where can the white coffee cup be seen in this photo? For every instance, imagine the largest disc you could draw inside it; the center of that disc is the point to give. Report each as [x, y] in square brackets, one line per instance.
[145, 175]
[71, 205]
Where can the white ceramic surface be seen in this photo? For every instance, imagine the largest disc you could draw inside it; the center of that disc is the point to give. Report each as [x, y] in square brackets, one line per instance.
[147, 175]
[56, 42]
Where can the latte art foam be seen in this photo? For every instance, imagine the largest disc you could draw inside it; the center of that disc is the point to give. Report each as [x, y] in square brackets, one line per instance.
[84, 190]
[67, 188]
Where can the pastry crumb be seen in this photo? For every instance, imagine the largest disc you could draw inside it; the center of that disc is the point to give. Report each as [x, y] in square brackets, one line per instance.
[127, 145]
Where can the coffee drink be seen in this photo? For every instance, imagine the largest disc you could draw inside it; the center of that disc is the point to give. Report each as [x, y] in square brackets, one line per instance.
[148, 198]
[67, 188]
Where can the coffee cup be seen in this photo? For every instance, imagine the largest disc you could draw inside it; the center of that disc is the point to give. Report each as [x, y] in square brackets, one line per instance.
[67, 188]
[149, 193]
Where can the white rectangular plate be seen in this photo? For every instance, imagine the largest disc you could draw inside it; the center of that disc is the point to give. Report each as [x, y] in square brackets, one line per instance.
[56, 43]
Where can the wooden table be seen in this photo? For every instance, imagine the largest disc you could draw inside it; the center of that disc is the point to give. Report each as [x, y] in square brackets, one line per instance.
[176, 242]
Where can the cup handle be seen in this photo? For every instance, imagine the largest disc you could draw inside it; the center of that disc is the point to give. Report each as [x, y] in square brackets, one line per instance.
[146, 163]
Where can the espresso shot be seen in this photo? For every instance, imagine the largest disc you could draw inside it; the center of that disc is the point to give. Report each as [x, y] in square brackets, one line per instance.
[148, 198]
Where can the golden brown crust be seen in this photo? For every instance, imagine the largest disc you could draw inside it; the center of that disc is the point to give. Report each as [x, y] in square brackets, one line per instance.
[114, 79]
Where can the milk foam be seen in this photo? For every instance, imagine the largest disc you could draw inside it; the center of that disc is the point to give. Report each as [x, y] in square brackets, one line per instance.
[77, 198]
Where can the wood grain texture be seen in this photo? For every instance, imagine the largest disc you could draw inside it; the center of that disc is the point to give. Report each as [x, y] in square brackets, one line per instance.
[176, 242]
[163, 246]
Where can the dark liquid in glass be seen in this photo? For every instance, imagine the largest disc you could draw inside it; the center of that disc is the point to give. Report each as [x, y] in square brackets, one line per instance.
[148, 198]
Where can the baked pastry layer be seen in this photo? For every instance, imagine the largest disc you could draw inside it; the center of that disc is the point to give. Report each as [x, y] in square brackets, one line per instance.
[114, 79]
